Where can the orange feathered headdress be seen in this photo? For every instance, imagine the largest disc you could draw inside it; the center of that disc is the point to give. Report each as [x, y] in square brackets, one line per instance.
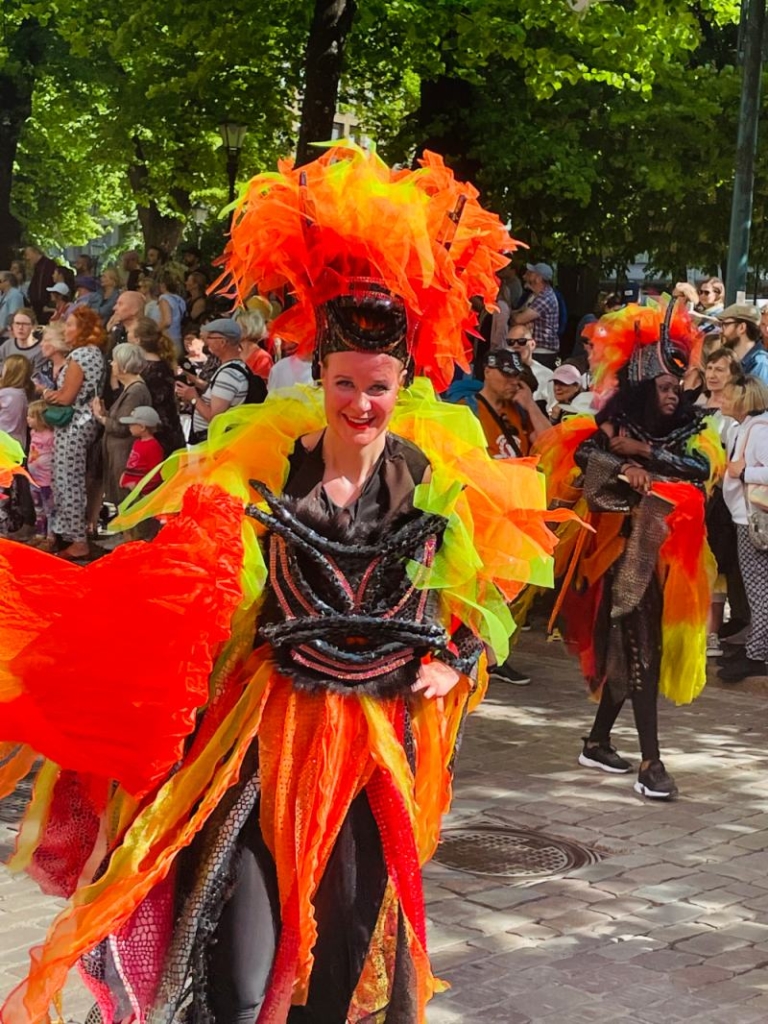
[322, 228]
[647, 340]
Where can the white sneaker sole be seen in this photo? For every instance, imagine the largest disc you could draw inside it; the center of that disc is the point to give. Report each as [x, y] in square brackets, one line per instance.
[652, 793]
[587, 762]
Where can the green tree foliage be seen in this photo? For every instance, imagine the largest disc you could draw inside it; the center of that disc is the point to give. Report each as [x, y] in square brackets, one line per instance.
[131, 106]
[599, 133]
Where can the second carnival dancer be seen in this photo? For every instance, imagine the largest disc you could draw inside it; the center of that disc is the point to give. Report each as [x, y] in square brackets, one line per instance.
[636, 592]
[239, 812]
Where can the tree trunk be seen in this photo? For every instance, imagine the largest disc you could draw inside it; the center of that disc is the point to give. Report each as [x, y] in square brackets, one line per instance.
[26, 52]
[323, 64]
[444, 118]
[159, 229]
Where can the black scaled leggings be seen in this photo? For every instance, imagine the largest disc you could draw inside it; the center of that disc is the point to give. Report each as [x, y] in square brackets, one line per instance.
[347, 907]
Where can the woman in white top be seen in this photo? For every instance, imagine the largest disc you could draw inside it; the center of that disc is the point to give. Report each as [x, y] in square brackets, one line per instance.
[747, 403]
[721, 368]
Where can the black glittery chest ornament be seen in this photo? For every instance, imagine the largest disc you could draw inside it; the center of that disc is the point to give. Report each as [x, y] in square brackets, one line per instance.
[344, 613]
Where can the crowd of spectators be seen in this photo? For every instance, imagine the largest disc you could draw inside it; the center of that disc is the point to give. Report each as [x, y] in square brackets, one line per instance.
[106, 371]
[103, 373]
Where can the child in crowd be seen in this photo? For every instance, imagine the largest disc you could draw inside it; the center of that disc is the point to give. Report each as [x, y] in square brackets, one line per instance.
[16, 390]
[146, 451]
[17, 513]
[40, 467]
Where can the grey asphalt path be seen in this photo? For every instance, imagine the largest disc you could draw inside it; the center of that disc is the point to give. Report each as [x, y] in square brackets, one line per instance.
[670, 925]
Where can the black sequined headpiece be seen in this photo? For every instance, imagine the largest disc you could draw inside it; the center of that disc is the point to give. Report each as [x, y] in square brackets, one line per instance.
[664, 356]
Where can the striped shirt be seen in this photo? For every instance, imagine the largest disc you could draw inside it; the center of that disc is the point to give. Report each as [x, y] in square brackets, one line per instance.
[229, 383]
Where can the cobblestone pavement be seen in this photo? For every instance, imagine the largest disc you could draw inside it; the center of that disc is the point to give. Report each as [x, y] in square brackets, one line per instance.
[670, 925]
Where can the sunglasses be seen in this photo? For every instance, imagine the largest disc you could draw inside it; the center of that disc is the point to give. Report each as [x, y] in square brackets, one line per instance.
[518, 342]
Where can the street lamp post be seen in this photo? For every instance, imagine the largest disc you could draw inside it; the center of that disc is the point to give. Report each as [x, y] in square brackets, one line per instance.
[752, 27]
[232, 135]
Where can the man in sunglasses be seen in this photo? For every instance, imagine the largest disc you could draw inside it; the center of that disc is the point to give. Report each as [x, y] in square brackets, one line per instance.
[740, 326]
[521, 341]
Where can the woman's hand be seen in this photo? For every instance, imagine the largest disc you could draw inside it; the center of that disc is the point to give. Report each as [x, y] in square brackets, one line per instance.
[435, 679]
[639, 479]
[736, 468]
[98, 407]
[629, 447]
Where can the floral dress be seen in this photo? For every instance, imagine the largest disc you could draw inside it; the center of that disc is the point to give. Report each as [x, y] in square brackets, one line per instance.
[71, 444]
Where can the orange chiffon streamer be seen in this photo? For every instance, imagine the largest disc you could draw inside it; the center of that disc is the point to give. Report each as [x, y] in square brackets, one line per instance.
[131, 719]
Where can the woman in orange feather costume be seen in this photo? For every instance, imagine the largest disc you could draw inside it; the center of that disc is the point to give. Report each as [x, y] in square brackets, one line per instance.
[239, 821]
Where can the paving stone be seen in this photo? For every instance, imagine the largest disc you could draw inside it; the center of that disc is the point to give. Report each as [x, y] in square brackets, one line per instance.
[551, 906]
[670, 913]
[619, 907]
[699, 975]
[666, 892]
[752, 931]
[710, 944]
[561, 999]
[666, 961]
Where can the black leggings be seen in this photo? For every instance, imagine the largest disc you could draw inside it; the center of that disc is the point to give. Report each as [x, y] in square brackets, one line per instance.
[645, 707]
[347, 907]
[246, 938]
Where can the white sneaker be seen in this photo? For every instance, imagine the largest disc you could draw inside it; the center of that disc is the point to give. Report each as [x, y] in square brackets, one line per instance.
[714, 650]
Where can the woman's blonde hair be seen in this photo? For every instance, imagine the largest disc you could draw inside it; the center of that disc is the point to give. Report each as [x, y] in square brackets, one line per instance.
[115, 274]
[54, 335]
[35, 411]
[17, 373]
[748, 396]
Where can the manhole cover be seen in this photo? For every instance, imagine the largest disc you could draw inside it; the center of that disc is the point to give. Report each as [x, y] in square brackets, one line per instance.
[510, 852]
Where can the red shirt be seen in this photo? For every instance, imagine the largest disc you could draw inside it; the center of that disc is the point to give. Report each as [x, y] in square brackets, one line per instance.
[146, 453]
[259, 362]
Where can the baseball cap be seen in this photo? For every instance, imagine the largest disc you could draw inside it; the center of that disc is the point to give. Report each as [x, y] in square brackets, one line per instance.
[60, 288]
[144, 415]
[567, 374]
[228, 328]
[505, 360]
[740, 311]
[542, 269]
[84, 281]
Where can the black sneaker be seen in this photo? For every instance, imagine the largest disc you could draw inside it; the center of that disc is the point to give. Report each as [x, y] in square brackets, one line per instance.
[505, 674]
[655, 782]
[605, 757]
[736, 669]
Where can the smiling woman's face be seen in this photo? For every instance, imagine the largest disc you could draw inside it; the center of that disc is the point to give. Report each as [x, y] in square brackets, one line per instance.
[360, 394]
